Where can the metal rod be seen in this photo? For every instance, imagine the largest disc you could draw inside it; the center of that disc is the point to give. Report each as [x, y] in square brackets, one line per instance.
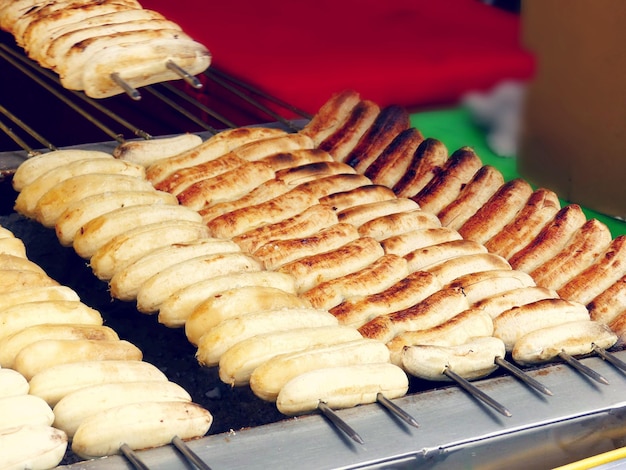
[249, 100]
[180, 109]
[582, 368]
[174, 67]
[189, 454]
[261, 93]
[133, 458]
[80, 95]
[396, 410]
[58, 95]
[340, 423]
[523, 376]
[19, 141]
[25, 127]
[476, 392]
[610, 358]
[181, 94]
[124, 85]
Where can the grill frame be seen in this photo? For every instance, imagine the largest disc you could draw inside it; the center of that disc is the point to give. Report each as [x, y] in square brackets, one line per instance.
[537, 433]
[581, 419]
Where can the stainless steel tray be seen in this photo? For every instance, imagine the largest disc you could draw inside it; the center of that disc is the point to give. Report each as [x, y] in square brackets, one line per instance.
[583, 418]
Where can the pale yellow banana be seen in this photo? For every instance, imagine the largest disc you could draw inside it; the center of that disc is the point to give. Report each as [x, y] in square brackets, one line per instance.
[54, 383]
[77, 406]
[140, 426]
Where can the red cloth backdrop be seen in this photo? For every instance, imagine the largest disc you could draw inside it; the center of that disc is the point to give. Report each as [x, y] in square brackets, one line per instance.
[414, 53]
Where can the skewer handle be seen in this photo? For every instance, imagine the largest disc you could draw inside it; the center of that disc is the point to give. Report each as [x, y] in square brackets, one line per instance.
[610, 358]
[523, 376]
[133, 458]
[582, 368]
[477, 393]
[340, 423]
[189, 454]
[124, 85]
[193, 81]
[396, 410]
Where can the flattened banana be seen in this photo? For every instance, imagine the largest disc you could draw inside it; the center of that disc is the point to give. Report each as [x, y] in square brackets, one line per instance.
[238, 362]
[52, 204]
[54, 383]
[18, 317]
[82, 211]
[163, 284]
[138, 242]
[341, 387]
[237, 302]
[46, 353]
[140, 426]
[12, 383]
[140, 270]
[77, 406]
[147, 152]
[32, 446]
[272, 375]
[175, 310]
[27, 199]
[34, 167]
[19, 410]
[99, 231]
[13, 344]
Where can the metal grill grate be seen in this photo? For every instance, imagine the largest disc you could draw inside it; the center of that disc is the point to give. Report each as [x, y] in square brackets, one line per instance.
[36, 112]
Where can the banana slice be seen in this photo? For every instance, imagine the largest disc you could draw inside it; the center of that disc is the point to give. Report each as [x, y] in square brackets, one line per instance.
[140, 426]
[78, 406]
[32, 446]
[20, 410]
[341, 387]
[54, 383]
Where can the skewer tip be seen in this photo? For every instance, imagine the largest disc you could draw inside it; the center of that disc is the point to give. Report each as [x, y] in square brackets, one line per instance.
[476, 392]
[181, 72]
[334, 418]
[189, 454]
[124, 85]
[609, 357]
[396, 410]
[523, 376]
[133, 458]
[582, 368]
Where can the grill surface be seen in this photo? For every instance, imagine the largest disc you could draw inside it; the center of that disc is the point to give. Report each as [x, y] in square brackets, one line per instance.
[581, 418]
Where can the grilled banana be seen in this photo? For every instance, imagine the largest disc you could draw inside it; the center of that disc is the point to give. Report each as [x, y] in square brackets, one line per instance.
[78, 406]
[36, 447]
[176, 309]
[341, 387]
[18, 317]
[140, 426]
[11, 345]
[54, 383]
[238, 362]
[270, 377]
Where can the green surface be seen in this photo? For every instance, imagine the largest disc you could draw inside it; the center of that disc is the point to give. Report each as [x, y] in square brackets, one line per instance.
[454, 127]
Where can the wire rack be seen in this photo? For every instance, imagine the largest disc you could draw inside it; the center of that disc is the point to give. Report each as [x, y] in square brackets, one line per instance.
[37, 113]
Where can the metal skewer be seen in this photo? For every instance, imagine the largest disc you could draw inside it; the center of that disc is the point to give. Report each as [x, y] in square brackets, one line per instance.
[124, 85]
[189, 454]
[174, 67]
[133, 458]
[340, 423]
[582, 368]
[523, 376]
[476, 392]
[29, 130]
[611, 358]
[396, 410]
